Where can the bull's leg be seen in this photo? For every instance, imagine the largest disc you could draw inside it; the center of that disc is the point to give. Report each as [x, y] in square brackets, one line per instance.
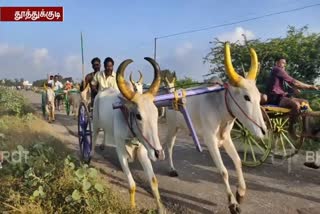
[53, 112]
[233, 154]
[147, 167]
[125, 168]
[48, 113]
[171, 139]
[212, 143]
[95, 133]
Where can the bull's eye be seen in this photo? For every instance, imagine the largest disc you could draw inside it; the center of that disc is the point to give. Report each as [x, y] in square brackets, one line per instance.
[138, 116]
[247, 98]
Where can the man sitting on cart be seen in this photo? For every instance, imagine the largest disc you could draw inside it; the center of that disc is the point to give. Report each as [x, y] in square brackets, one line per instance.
[278, 96]
[68, 86]
[105, 79]
[96, 65]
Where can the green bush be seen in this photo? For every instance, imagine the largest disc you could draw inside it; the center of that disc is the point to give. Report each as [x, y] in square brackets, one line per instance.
[45, 179]
[48, 183]
[12, 103]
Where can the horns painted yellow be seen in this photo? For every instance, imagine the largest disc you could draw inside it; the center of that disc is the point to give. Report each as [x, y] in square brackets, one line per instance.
[125, 91]
[252, 74]
[234, 77]
[129, 94]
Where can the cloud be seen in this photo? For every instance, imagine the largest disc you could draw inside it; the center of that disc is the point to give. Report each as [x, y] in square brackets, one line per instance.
[40, 55]
[183, 50]
[73, 65]
[236, 35]
[187, 61]
[35, 63]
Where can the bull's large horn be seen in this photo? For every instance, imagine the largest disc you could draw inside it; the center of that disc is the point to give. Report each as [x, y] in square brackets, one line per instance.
[252, 74]
[141, 78]
[131, 79]
[125, 91]
[232, 74]
[157, 79]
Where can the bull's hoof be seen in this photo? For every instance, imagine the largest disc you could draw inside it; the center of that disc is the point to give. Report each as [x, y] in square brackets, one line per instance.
[87, 160]
[239, 197]
[101, 147]
[312, 165]
[162, 210]
[234, 209]
[173, 173]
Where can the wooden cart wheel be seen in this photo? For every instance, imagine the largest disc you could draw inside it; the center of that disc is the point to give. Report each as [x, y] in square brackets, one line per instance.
[284, 145]
[253, 151]
[84, 133]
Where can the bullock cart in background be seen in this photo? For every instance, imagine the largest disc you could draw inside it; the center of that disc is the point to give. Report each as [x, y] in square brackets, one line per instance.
[279, 143]
[58, 93]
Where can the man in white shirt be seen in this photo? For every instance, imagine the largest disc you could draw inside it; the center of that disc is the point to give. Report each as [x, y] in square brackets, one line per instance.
[105, 79]
[50, 81]
[57, 85]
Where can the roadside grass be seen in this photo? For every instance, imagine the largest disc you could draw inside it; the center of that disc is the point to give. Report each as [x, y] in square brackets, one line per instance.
[38, 173]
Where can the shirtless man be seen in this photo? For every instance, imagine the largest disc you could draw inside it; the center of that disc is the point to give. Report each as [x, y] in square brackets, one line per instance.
[96, 65]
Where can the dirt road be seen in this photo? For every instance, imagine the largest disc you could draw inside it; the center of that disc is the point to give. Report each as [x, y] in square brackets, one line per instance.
[281, 187]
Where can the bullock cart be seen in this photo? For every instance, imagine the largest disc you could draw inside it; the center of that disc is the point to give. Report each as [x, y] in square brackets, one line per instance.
[176, 100]
[253, 151]
[279, 142]
[63, 94]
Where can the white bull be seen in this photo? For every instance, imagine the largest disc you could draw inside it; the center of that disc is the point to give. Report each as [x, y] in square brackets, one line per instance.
[141, 124]
[137, 86]
[213, 116]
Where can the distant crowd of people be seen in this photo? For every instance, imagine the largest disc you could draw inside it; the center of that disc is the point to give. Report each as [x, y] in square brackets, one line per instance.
[54, 82]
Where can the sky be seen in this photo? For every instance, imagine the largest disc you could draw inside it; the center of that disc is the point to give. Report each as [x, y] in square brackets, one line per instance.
[126, 30]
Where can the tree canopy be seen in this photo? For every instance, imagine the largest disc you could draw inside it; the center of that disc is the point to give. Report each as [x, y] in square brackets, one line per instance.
[299, 47]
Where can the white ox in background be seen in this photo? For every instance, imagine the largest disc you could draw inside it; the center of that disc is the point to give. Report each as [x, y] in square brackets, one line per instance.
[168, 87]
[143, 120]
[213, 115]
[137, 86]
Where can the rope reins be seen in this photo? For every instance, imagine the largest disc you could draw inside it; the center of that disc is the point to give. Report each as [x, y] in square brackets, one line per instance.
[227, 91]
[129, 117]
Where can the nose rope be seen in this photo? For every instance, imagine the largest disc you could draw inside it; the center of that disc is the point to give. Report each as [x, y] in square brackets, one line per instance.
[144, 138]
[226, 86]
[128, 117]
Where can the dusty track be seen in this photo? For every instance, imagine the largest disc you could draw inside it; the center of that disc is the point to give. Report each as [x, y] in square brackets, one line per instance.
[271, 188]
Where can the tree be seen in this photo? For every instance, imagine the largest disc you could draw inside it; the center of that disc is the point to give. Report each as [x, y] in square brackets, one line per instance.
[186, 82]
[300, 48]
[39, 83]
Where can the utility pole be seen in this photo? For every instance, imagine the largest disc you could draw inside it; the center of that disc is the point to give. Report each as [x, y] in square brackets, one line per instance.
[155, 49]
